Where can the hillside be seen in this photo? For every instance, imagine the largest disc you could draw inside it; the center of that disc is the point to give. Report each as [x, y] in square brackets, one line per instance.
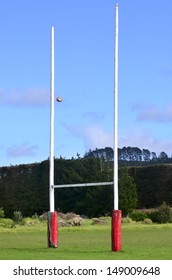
[26, 187]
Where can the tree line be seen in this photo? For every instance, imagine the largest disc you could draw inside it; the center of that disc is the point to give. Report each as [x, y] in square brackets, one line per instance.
[130, 155]
[25, 188]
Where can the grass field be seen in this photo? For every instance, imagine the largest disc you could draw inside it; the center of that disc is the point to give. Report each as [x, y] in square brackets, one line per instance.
[88, 242]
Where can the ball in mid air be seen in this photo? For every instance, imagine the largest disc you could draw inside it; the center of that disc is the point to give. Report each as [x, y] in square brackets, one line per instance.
[59, 99]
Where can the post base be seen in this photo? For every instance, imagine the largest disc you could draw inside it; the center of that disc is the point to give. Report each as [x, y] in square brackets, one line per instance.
[116, 230]
[52, 229]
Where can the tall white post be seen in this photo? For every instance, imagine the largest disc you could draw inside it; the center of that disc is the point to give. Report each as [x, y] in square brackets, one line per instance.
[51, 186]
[116, 112]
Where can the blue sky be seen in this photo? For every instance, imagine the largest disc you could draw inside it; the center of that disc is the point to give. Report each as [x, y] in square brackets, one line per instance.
[84, 76]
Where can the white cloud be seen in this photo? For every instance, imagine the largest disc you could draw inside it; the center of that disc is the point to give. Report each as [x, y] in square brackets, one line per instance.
[144, 139]
[93, 136]
[152, 113]
[26, 97]
[23, 150]
[96, 137]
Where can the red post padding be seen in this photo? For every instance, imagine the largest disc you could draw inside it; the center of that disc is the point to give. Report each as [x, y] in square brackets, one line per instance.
[116, 230]
[52, 229]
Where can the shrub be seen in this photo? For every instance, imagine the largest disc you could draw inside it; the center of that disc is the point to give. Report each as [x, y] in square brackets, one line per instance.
[138, 216]
[44, 216]
[6, 223]
[29, 221]
[164, 214]
[98, 221]
[127, 220]
[147, 221]
[153, 216]
[35, 216]
[2, 213]
[17, 217]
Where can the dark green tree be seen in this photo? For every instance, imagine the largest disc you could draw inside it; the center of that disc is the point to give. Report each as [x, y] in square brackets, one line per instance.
[127, 193]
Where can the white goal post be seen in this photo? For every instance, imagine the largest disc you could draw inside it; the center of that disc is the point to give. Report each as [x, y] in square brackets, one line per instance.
[83, 185]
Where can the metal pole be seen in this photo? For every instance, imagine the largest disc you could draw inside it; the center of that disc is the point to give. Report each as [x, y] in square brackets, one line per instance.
[116, 113]
[51, 190]
[84, 185]
[52, 215]
[116, 214]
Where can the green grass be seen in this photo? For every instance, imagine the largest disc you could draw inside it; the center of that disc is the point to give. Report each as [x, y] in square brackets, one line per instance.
[88, 242]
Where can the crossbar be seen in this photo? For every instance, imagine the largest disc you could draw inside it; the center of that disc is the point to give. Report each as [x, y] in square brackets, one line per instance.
[84, 185]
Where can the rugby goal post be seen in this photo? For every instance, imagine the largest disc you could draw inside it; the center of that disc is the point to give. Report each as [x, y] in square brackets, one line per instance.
[116, 213]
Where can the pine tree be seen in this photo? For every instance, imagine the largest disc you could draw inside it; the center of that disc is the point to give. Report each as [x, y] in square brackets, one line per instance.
[127, 193]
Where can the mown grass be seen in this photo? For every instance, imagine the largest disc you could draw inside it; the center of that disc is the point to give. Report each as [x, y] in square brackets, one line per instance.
[88, 242]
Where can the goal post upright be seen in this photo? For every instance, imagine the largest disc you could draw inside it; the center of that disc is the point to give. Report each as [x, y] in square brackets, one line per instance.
[52, 214]
[51, 174]
[115, 179]
[116, 213]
